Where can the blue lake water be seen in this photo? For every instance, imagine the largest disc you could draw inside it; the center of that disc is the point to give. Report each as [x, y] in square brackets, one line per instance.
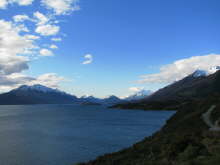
[66, 134]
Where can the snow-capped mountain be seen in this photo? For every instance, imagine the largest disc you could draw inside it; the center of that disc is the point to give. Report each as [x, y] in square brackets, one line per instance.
[214, 69]
[37, 94]
[202, 73]
[139, 95]
[39, 88]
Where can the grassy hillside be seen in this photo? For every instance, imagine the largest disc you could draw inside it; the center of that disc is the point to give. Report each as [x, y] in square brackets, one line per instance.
[184, 140]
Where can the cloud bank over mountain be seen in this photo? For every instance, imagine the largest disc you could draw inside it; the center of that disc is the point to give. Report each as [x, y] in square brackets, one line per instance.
[181, 68]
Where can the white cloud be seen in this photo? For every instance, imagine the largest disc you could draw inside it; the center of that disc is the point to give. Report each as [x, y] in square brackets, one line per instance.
[88, 59]
[56, 39]
[53, 46]
[13, 61]
[181, 68]
[32, 37]
[23, 28]
[49, 79]
[21, 18]
[11, 42]
[11, 45]
[46, 52]
[47, 30]
[5, 3]
[44, 26]
[14, 79]
[136, 89]
[61, 7]
[41, 18]
[12, 64]
[21, 2]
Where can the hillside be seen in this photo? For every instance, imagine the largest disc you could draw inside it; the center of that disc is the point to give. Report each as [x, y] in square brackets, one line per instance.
[186, 139]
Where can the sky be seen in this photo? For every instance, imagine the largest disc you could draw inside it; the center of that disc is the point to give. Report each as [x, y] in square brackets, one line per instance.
[101, 48]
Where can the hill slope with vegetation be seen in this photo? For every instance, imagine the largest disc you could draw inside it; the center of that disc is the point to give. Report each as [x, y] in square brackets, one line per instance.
[186, 139]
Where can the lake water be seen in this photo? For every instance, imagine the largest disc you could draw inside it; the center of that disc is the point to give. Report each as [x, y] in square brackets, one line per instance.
[66, 134]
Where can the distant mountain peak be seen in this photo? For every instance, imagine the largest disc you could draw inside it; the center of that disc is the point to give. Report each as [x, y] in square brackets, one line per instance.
[36, 94]
[214, 69]
[112, 96]
[109, 100]
[139, 95]
[200, 73]
[203, 73]
[87, 96]
[143, 92]
[37, 87]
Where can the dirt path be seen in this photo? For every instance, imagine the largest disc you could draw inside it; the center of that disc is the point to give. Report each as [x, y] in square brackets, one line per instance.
[206, 118]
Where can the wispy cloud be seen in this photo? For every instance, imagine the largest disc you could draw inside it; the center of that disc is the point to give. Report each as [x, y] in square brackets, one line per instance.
[53, 46]
[47, 30]
[88, 59]
[136, 89]
[4, 3]
[49, 79]
[46, 52]
[61, 7]
[181, 68]
[56, 39]
[41, 19]
[21, 18]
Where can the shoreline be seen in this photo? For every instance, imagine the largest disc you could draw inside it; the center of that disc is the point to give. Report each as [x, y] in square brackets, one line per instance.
[184, 139]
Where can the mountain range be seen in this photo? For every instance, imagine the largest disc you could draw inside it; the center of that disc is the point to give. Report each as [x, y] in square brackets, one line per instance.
[111, 100]
[39, 94]
[194, 86]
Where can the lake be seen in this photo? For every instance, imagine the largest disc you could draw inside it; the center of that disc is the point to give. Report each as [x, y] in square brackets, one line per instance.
[66, 134]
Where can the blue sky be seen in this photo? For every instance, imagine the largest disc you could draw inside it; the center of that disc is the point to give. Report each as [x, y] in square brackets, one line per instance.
[132, 44]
